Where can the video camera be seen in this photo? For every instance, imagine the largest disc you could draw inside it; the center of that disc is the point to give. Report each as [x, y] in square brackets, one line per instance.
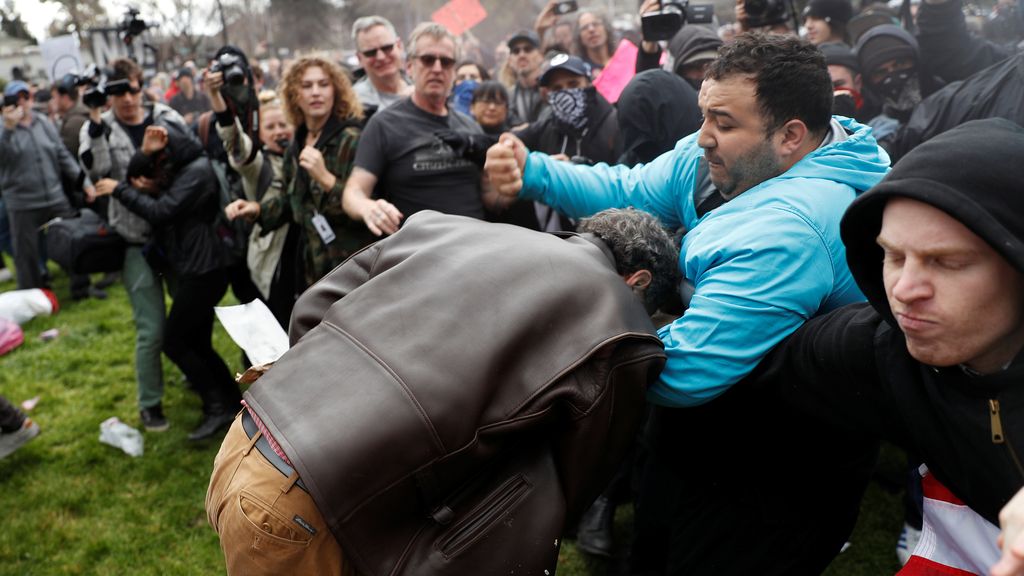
[98, 87]
[766, 12]
[232, 66]
[131, 25]
[664, 23]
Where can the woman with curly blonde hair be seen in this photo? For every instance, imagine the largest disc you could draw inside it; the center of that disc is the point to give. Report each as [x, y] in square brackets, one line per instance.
[319, 101]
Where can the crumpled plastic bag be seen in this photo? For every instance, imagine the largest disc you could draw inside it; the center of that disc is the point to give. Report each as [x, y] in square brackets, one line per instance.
[120, 435]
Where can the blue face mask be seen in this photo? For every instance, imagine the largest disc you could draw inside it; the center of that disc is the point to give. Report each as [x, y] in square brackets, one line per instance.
[462, 95]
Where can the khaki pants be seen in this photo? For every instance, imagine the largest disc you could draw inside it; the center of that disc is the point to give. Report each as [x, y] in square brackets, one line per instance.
[267, 524]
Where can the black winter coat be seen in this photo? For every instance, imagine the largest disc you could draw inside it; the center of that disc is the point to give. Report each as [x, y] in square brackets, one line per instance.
[183, 213]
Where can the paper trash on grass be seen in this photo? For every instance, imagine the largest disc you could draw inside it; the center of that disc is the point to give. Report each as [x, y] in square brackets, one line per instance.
[255, 330]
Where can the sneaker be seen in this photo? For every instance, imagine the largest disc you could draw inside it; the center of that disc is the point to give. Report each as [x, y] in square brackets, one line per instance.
[153, 418]
[909, 537]
[6, 275]
[11, 441]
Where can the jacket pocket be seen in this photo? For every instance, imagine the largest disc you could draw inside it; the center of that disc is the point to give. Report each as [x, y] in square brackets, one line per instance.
[484, 516]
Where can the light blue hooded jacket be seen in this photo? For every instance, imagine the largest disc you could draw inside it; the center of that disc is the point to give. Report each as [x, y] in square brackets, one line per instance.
[761, 264]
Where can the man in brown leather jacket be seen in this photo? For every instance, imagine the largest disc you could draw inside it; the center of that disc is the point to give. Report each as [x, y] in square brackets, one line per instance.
[454, 395]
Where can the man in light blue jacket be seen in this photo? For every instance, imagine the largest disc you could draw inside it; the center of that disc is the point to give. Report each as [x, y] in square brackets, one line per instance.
[760, 190]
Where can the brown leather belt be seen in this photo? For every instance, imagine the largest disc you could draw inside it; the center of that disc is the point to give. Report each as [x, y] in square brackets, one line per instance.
[251, 429]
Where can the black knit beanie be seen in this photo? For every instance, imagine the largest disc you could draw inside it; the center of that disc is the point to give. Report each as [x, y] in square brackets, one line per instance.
[831, 11]
[884, 43]
[970, 172]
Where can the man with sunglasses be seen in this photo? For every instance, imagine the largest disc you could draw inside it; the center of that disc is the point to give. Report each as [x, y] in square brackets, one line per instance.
[107, 143]
[380, 53]
[402, 165]
[525, 58]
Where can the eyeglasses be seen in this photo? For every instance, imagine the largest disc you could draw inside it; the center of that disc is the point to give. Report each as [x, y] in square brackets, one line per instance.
[372, 53]
[591, 25]
[524, 49]
[429, 60]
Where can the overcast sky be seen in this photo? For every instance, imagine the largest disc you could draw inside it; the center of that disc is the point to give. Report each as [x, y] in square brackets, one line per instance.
[38, 15]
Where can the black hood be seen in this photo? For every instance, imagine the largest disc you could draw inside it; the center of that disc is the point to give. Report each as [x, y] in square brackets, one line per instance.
[656, 109]
[692, 41]
[970, 173]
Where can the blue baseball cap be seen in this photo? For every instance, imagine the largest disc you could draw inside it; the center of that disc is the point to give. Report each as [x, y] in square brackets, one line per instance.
[15, 87]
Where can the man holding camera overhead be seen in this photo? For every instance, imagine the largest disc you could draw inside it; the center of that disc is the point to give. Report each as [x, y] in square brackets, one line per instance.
[107, 143]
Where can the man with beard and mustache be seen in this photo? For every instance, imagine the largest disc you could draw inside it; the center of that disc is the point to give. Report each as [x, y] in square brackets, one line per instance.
[761, 189]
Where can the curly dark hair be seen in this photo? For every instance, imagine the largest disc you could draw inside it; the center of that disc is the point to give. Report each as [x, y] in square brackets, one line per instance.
[790, 76]
[639, 242]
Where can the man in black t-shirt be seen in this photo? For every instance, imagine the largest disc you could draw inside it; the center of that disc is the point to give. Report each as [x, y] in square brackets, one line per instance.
[401, 165]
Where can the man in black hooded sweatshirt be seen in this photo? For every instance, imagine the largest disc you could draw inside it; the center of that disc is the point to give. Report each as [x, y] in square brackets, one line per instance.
[933, 360]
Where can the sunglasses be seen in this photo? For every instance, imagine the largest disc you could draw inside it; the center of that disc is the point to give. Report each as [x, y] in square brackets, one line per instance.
[372, 53]
[120, 88]
[429, 60]
[526, 49]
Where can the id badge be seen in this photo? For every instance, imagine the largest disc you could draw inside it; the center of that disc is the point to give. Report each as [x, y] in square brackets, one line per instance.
[323, 228]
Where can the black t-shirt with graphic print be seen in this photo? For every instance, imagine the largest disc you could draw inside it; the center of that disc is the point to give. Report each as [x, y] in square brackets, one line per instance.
[416, 170]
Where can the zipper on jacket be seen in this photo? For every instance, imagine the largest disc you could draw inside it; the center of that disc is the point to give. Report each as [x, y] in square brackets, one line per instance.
[484, 515]
[997, 433]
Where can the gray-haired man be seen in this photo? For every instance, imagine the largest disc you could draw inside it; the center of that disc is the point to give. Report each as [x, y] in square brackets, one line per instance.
[381, 54]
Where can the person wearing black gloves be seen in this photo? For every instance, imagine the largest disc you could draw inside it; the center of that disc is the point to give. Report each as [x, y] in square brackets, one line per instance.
[171, 185]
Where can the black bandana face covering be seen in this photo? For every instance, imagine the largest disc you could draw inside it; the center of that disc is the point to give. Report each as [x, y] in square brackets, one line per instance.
[570, 107]
[892, 84]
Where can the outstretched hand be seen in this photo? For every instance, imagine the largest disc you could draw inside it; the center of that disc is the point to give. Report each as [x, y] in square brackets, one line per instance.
[154, 140]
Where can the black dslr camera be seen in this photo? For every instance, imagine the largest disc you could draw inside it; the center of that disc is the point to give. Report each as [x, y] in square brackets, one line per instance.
[232, 66]
[766, 12]
[664, 23]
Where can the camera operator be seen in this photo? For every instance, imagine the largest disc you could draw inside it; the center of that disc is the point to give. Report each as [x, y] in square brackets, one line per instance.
[172, 186]
[262, 178]
[32, 161]
[108, 142]
[692, 49]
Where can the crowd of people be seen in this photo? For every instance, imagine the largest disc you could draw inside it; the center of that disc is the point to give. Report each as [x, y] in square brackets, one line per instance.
[769, 253]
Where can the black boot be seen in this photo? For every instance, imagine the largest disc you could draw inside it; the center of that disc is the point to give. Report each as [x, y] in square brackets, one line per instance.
[594, 535]
[217, 418]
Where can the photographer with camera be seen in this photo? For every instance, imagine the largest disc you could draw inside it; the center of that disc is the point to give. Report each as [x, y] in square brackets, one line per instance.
[33, 160]
[262, 175]
[108, 142]
[691, 45]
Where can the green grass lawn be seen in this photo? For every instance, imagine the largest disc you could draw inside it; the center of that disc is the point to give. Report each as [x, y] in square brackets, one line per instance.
[75, 506]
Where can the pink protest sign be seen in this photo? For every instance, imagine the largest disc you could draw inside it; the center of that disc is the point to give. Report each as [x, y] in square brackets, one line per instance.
[459, 15]
[619, 71]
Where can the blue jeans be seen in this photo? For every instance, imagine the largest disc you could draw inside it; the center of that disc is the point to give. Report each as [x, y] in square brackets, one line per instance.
[5, 230]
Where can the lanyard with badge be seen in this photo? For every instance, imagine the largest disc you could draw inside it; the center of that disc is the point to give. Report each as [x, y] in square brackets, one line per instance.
[320, 224]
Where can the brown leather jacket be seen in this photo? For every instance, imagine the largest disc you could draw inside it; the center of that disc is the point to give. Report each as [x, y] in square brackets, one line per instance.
[458, 391]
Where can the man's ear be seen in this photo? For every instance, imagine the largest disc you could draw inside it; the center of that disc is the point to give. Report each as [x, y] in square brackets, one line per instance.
[638, 279]
[791, 137]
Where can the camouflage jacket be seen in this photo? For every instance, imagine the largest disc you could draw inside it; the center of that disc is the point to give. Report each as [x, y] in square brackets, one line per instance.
[303, 198]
